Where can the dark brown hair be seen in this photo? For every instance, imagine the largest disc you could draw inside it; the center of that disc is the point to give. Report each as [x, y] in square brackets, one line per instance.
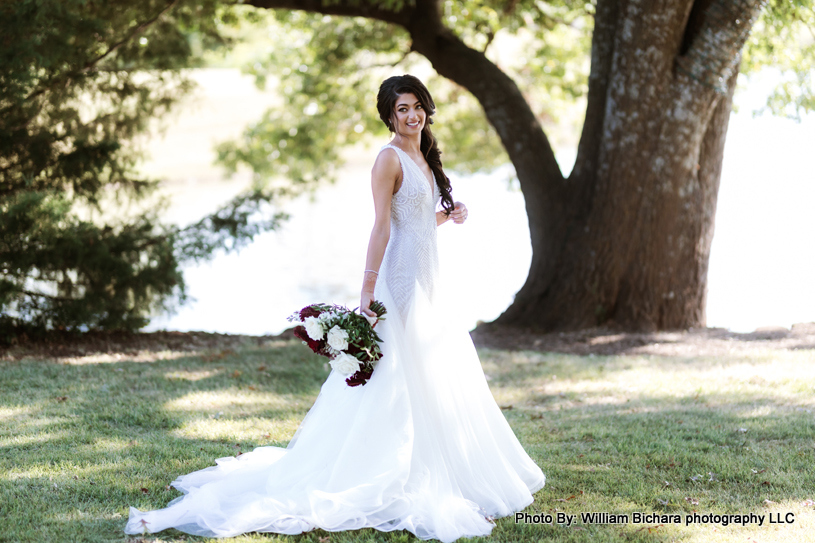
[389, 92]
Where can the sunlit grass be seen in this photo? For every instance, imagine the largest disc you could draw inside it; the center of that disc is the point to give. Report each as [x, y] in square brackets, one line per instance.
[84, 438]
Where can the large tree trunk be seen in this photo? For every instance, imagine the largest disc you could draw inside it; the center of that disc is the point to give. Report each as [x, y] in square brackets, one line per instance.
[642, 195]
[626, 238]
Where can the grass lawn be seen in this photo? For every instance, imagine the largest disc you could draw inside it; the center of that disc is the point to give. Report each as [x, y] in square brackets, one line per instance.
[83, 438]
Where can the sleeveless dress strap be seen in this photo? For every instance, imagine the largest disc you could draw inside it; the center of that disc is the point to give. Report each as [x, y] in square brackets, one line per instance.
[401, 162]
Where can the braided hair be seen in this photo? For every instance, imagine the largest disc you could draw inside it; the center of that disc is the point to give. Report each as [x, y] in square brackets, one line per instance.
[389, 92]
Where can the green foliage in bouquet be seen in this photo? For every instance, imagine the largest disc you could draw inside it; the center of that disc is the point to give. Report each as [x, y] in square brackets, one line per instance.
[347, 338]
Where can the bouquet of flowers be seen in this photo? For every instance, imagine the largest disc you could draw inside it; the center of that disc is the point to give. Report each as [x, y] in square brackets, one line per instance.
[348, 339]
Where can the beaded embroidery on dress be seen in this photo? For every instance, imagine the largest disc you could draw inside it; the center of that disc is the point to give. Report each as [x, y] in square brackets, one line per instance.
[422, 447]
[411, 255]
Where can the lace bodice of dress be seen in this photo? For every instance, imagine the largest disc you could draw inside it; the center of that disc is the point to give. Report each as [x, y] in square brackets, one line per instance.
[411, 254]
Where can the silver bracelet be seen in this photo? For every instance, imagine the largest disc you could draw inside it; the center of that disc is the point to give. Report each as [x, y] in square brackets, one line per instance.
[372, 271]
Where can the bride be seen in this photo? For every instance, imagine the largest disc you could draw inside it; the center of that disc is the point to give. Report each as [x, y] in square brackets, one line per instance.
[422, 446]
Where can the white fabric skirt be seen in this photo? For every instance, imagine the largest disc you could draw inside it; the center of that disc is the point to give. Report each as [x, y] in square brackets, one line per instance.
[421, 447]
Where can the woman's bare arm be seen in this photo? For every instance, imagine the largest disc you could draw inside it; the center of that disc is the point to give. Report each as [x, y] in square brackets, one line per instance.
[441, 218]
[386, 178]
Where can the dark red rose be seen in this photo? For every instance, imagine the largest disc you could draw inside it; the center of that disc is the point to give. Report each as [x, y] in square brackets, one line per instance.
[308, 312]
[316, 346]
[359, 378]
[300, 333]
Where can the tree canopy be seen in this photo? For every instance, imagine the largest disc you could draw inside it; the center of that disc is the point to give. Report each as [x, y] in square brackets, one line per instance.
[81, 83]
[327, 69]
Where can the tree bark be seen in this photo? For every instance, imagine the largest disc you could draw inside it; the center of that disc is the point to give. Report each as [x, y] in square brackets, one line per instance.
[647, 171]
[626, 238]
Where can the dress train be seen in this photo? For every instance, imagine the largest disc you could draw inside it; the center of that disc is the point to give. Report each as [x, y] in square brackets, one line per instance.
[422, 447]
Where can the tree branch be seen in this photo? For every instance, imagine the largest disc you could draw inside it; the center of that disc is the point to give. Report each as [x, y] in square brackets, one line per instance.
[133, 33]
[503, 103]
[714, 36]
[387, 64]
[348, 8]
[91, 63]
[48, 296]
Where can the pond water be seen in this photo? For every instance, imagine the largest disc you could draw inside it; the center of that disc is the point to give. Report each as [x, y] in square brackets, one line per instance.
[761, 269]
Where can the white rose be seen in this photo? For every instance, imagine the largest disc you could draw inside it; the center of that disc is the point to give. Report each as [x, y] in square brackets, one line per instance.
[314, 329]
[345, 364]
[338, 338]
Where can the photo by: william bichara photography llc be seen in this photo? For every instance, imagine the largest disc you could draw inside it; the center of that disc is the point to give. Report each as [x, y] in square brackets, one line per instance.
[639, 517]
[368, 271]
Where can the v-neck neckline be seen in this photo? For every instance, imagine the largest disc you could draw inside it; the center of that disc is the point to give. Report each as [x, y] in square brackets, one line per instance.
[431, 181]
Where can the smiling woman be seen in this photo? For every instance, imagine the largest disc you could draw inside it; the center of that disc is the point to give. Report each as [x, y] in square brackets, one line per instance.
[422, 446]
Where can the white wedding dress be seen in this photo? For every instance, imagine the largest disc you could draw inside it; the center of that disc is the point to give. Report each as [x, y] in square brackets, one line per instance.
[422, 447]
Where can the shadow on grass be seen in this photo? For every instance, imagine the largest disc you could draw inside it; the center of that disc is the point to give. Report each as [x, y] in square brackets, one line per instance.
[608, 341]
[84, 442]
[103, 436]
[665, 434]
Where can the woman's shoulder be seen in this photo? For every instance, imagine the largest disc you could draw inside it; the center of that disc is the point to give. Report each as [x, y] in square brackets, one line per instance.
[389, 149]
[388, 158]
[388, 166]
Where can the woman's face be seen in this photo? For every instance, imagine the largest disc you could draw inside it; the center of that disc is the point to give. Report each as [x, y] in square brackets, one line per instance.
[409, 115]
